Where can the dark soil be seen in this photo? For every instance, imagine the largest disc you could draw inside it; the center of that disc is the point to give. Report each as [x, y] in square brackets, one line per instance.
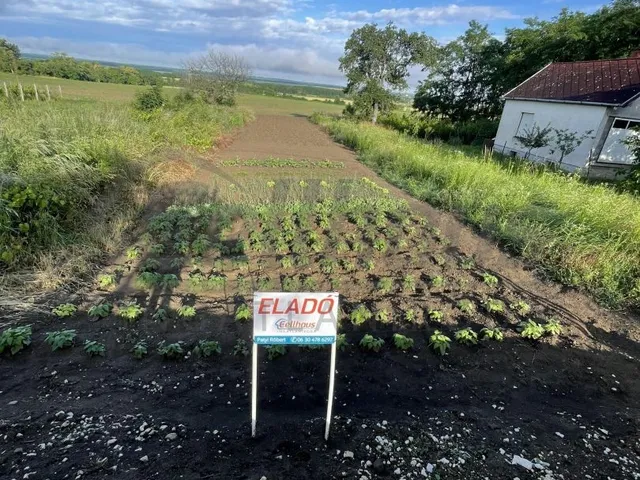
[568, 404]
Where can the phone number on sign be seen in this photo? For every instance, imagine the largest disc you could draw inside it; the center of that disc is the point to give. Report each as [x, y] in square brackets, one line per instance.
[315, 340]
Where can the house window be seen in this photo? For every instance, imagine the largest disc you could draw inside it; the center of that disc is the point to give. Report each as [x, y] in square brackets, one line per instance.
[526, 121]
[615, 149]
[625, 124]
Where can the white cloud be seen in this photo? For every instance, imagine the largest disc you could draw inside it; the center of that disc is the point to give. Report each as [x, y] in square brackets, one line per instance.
[431, 15]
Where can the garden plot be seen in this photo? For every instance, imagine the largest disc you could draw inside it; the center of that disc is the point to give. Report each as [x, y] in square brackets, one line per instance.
[445, 370]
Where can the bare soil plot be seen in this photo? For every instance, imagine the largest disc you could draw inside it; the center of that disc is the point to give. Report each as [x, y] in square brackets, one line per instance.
[567, 403]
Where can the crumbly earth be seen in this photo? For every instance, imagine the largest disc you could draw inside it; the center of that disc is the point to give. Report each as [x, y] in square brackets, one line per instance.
[561, 408]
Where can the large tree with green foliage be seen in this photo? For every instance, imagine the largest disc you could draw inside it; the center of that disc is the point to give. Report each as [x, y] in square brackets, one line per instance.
[466, 82]
[376, 62]
[9, 56]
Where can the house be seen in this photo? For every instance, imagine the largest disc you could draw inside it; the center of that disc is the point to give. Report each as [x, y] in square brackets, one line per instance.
[597, 100]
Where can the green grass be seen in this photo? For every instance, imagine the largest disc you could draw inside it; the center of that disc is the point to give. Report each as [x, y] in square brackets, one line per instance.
[580, 234]
[77, 89]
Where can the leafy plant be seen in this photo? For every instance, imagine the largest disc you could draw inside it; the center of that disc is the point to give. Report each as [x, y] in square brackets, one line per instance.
[187, 311]
[531, 330]
[439, 259]
[207, 348]
[466, 336]
[327, 266]
[380, 245]
[369, 265]
[360, 315]
[385, 285]
[133, 253]
[410, 315]
[466, 306]
[177, 263]
[139, 350]
[401, 342]
[369, 342]
[64, 310]
[243, 313]
[240, 348]
[341, 342]
[467, 263]
[521, 307]
[437, 282]
[290, 284]
[171, 350]
[94, 348]
[275, 351]
[286, 262]
[169, 280]
[409, 283]
[130, 311]
[553, 327]
[309, 284]
[383, 316]
[156, 249]
[348, 265]
[150, 265]
[148, 280]
[492, 334]
[439, 342]
[160, 315]
[106, 280]
[436, 316]
[15, 339]
[492, 305]
[489, 279]
[60, 339]
[102, 310]
[335, 283]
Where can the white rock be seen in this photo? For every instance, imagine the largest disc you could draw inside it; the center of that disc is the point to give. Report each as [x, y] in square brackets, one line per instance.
[111, 442]
[559, 434]
[523, 462]
[144, 459]
[397, 471]
[171, 436]
[430, 468]
[348, 454]
[263, 478]
[13, 402]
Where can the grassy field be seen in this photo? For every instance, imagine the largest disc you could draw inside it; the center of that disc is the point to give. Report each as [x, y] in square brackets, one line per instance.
[582, 235]
[76, 89]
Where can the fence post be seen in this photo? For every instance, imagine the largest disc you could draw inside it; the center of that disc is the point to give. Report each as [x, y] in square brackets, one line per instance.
[48, 93]
[6, 90]
[35, 89]
[60, 90]
[21, 91]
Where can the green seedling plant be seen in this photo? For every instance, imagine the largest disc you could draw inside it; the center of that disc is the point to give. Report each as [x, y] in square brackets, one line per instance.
[275, 351]
[341, 247]
[360, 315]
[133, 253]
[383, 316]
[342, 343]
[327, 266]
[200, 245]
[301, 260]
[437, 281]
[15, 339]
[467, 263]
[402, 244]
[411, 316]
[130, 311]
[466, 336]
[148, 280]
[401, 342]
[60, 339]
[240, 349]
[150, 265]
[492, 305]
[436, 316]
[286, 262]
[439, 342]
[64, 310]
[490, 280]
[521, 307]
[169, 280]
[156, 249]
[371, 343]
[369, 265]
[187, 311]
[160, 315]
[309, 284]
[439, 260]
[492, 334]
[94, 348]
[466, 306]
[348, 265]
[171, 350]
[385, 285]
[357, 247]
[102, 310]
[380, 245]
[409, 283]
[207, 348]
[552, 327]
[139, 350]
[243, 313]
[335, 283]
[290, 284]
[531, 330]
[177, 263]
[181, 247]
[107, 280]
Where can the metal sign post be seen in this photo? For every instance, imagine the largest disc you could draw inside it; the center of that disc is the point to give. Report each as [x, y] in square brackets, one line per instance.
[294, 319]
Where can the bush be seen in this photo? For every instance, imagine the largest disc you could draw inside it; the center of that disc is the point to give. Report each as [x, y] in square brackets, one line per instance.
[149, 99]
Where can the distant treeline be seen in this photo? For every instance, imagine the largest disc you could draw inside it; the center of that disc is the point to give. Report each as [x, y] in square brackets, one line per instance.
[278, 89]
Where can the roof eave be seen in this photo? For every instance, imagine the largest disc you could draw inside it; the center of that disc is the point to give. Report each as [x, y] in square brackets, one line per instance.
[576, 102]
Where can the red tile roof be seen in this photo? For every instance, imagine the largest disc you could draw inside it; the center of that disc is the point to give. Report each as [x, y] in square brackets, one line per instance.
[611, 82]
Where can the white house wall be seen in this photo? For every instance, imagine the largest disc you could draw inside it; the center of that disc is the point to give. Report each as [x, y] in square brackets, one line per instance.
[574, 117]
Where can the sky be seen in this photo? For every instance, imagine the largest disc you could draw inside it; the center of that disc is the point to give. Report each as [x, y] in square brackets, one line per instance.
[289, 39]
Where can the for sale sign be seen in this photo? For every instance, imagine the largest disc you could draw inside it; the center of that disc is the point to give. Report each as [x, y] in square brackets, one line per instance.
[295, 318]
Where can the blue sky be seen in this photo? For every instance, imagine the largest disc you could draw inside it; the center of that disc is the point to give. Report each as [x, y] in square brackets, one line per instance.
[299, 40]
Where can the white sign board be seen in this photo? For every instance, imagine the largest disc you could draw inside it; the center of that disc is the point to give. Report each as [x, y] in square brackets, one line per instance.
[281, 318]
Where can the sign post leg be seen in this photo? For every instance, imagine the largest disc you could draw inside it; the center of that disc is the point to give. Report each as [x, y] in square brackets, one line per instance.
[332, 378]
[254, 390]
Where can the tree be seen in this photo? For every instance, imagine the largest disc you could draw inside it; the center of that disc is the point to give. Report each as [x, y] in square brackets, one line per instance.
[565, 142]
[467, 81]
[216, 76]
[376, 62]
[9, 56]
[534, 137]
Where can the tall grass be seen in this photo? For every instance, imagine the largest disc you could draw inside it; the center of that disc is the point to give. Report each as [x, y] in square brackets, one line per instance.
[582, 235]
[72, 171]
